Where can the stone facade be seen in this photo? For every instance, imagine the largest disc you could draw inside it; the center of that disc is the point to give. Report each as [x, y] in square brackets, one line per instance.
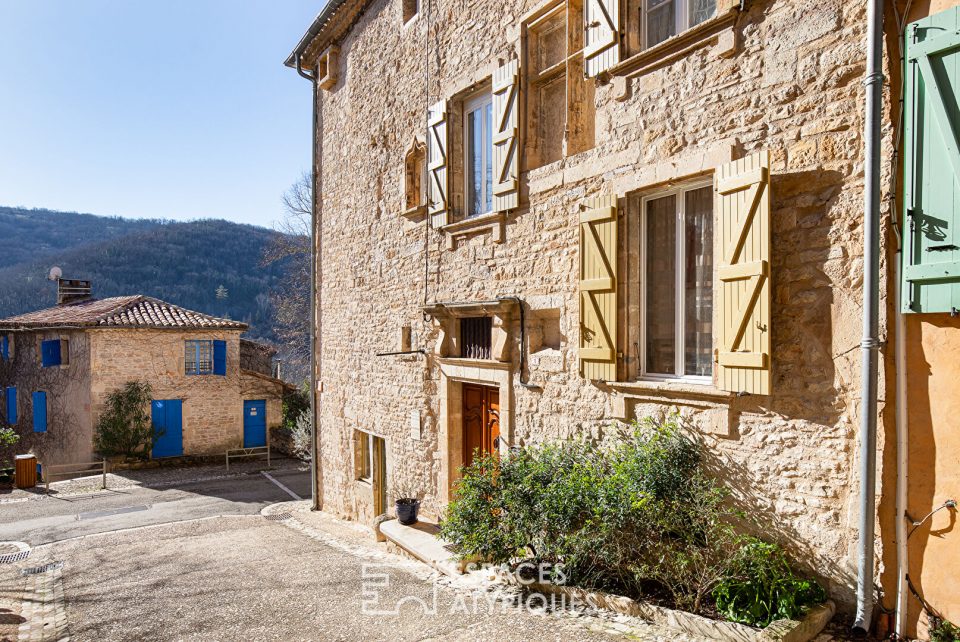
[103, 360]
[779, 76]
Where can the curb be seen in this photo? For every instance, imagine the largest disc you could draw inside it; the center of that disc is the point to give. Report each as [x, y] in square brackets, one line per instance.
[696, 625]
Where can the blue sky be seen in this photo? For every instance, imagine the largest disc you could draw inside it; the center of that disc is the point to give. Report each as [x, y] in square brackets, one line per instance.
[175, 109]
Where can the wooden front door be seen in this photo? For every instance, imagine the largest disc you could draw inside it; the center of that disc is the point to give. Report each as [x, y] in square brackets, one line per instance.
[481, 421]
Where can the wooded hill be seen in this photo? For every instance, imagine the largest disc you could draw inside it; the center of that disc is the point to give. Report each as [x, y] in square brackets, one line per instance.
[182, 263]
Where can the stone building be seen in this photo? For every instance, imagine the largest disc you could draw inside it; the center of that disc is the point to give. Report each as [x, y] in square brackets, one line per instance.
[58, 365]
[536, 218]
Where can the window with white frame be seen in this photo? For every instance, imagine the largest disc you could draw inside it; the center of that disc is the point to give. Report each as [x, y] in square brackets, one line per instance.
[677, 283]
[198, 357]
[654, 21]
[478, 154]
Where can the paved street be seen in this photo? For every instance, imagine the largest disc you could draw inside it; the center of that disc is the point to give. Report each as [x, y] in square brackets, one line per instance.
[59, 517]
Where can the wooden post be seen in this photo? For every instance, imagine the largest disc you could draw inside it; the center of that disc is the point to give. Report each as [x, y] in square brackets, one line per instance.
[104, 473]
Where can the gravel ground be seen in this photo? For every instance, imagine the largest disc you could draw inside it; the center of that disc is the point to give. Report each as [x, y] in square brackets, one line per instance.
[250, 578]
[150, 478]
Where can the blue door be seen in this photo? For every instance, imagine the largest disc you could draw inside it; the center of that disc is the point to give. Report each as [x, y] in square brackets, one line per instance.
[254, 424]
[167, 415]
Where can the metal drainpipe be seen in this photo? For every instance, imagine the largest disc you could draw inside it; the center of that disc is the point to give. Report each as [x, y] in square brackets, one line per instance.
[316, 474]
[900, 356]
[873, 82]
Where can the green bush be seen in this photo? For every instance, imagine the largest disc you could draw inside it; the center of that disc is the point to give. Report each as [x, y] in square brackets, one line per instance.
[124, 427]
[762, 587]
[295, 403]
[637, 516]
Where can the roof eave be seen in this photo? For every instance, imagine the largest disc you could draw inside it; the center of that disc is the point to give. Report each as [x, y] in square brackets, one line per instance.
[326, 26]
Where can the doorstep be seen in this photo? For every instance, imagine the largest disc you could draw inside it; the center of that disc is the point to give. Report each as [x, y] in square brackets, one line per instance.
[422, 541]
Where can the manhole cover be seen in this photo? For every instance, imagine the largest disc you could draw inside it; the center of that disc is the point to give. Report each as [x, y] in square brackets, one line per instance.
[36, 570]
[279, 517]
[13, 558]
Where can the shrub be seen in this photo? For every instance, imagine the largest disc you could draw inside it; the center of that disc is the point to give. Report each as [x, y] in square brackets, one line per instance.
[296, 402]
[8, 438]
[762, 587]
[637, 516]
[124, 427]
[300, 436]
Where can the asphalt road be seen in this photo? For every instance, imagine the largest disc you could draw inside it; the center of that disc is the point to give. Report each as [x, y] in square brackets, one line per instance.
[53, 519]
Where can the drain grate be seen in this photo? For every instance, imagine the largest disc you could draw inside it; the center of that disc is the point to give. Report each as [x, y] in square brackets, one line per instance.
[13, 558]
[37, 570]
[279, 517]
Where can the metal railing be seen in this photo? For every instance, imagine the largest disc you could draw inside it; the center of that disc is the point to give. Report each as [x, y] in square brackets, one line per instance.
[236, 453]
[69, 470]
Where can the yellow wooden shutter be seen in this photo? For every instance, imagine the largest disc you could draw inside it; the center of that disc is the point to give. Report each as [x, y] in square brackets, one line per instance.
[437, 166]
[602, 26]
[743, 274]
[598, 289]
[506, 148]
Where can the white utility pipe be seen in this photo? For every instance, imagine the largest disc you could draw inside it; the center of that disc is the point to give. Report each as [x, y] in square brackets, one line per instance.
[900, 366]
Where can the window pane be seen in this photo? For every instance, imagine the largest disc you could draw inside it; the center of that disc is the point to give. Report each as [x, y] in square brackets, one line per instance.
[701, 10]
[698, 281]
[474, 162]
[553, 116]
[488, 158]
[551, 42]
[661, 230]
[661, 21]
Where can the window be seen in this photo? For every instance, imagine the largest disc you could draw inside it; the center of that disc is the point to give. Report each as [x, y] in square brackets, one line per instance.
[654, 21]
[204, 357]
[410, 9]
[476, 337]
[11, 399]
[677, 297]
[478, 150]
[55, 352]
[414, 167]
[40, 412]
[364, 453]
[5, 347]
[560, 103]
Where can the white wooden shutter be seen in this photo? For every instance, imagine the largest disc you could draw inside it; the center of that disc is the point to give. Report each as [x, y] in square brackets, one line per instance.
[506, 147]
[598, 289]
[743, 274]
[602, 25]
[437, 165]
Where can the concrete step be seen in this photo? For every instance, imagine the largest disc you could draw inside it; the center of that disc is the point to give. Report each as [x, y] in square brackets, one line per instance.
[422, 541]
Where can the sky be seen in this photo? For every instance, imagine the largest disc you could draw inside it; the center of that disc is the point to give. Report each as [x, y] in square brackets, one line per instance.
[175, 109]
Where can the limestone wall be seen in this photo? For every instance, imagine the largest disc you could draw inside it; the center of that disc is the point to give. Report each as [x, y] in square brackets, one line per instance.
[790, 85]
[212, 405]
[69, 428]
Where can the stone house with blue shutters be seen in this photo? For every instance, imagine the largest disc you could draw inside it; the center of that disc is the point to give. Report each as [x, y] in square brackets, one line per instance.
[560, 215]
[212, 390]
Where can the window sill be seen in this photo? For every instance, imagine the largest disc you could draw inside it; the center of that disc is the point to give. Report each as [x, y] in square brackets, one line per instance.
[492, 222]
[719, 29]
[415, 213]
[475, 363]
[671, 388]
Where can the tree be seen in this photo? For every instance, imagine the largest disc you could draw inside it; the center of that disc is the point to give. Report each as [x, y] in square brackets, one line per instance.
[222, 293]
[291, 294]
[125, 428]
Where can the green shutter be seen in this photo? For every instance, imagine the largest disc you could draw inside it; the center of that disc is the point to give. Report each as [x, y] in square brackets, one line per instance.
[931, 248]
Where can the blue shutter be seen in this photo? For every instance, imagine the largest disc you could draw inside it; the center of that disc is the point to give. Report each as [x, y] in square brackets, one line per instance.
[11, 405]
[40, 412]
[220, 358]
[5, 347]
[931, 186]
[50, 353]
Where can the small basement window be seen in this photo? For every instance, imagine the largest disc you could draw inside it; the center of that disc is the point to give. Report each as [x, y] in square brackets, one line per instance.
[364, 456]
[476, 337]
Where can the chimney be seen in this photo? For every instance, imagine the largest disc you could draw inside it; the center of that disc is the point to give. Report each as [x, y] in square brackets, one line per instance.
[73, 291]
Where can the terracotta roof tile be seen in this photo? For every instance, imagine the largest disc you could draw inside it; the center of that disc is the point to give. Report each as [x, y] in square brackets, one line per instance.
[120, 312]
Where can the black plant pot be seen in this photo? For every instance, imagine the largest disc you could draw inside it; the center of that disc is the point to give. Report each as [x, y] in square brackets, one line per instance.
[407, 512]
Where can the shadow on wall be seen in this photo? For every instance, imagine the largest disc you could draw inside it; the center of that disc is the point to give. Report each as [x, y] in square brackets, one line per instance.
[806, 437]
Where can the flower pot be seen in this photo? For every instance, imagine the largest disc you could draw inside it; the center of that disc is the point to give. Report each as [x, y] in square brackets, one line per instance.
[407, 512]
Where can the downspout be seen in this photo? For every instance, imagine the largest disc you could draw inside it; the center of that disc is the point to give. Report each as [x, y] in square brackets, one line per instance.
[873, 82]
[900, 365]
[316, 474]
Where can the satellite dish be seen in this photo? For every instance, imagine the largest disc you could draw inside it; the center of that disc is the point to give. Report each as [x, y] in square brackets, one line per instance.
[55, 273]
